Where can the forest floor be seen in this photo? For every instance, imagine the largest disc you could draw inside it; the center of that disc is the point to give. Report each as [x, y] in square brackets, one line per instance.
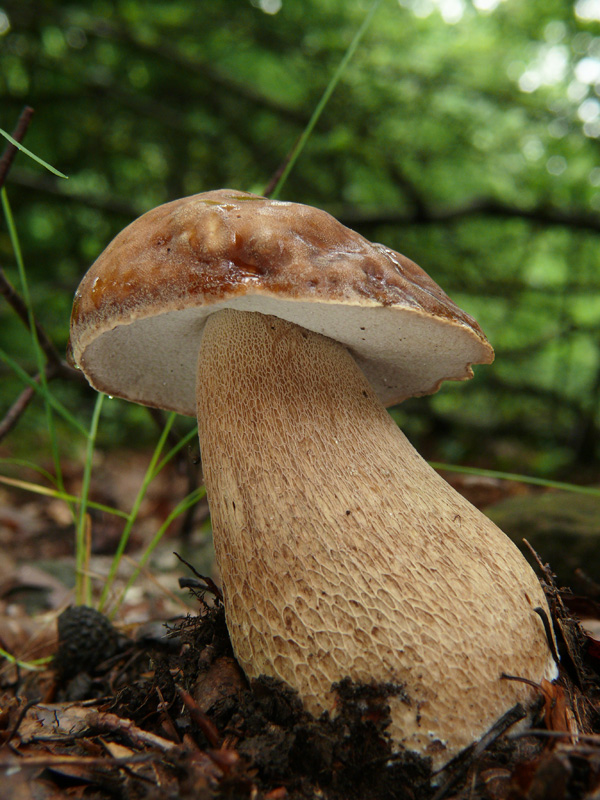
[156, 707]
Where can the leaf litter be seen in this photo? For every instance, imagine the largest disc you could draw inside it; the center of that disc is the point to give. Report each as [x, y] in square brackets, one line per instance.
[161, 710]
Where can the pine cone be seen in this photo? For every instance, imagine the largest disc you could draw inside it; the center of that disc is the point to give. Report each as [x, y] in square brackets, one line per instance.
[86, 638]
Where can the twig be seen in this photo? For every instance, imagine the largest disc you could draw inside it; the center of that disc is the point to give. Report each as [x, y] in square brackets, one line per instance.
[10, 150]
[52, 760]
[592, 738]
[165, 718]
[18, 408]
[14, 299]
[20, 719]
[15, 412]
[59, 366]
[56, 367]
[206, 725]
[207, 584]
[112, 723]
[464, 761]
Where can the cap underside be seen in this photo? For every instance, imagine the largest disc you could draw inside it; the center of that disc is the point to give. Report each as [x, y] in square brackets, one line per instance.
[139, 312]
[152, 360]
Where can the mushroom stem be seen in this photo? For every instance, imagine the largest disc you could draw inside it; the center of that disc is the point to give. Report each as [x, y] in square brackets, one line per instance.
[343, 554]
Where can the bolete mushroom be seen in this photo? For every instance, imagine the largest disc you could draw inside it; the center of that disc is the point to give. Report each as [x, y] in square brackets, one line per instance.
[342, 553]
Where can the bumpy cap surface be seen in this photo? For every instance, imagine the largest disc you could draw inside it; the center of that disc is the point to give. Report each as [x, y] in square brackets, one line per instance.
[139, 312]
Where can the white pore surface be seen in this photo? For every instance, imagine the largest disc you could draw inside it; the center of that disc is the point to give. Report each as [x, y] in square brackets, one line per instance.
[402, 352]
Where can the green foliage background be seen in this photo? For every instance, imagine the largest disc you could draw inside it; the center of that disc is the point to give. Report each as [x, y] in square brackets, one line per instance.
[463, 134]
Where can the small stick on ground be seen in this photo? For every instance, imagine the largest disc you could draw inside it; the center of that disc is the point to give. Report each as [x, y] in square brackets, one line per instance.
[111, 723]
[207, 584]
[514, 715]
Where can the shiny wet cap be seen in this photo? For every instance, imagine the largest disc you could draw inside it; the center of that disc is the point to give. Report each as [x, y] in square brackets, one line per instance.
[139, 312]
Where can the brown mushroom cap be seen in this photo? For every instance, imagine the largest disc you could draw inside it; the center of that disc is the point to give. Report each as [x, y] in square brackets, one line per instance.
[140, 310]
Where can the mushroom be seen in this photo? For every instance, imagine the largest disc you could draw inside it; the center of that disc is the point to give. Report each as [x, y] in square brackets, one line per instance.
[342, 552]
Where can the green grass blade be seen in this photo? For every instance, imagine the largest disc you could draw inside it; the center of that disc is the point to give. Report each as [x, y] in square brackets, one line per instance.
[83, 589]
[179, 509]
[147, 480]
[60, 495]
[511, 476]
[27, 152]
[174, 450]
[46, 395]
[39, 353]
[36, 664]
[23, 462]
[300, 144]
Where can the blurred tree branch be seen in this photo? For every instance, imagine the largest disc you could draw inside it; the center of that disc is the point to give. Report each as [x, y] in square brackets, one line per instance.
[17, 409]
[431, 147]
[17, 303]
[479, 207]
[29, 15]
[353, 218]
[218, 79]
[10, 150]
[46, 184]
[55, 368]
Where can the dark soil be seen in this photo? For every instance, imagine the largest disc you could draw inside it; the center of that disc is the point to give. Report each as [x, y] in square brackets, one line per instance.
[170, 715]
